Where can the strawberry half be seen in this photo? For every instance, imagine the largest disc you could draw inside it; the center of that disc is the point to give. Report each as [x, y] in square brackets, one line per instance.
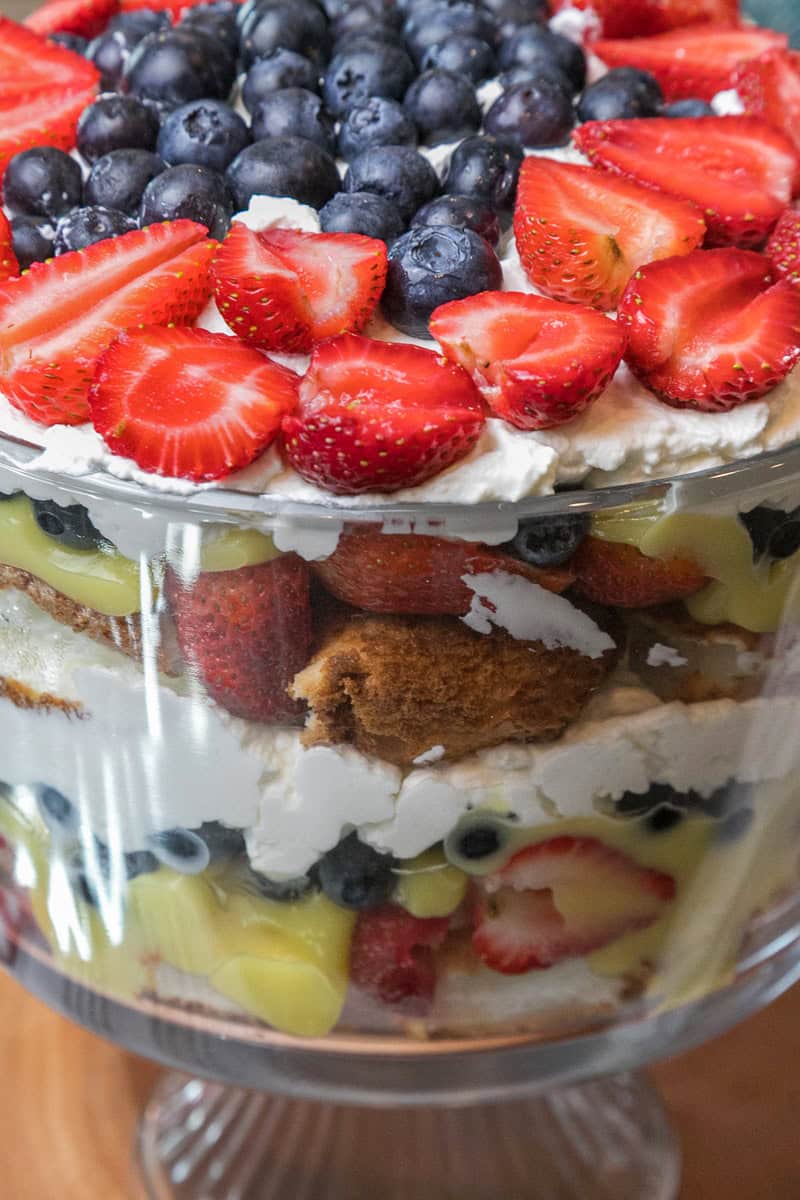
[740, 171]
[57, 318]
[582, 233]
[8, 260]
[380, 416]
[639, 18]
[247, 633]
[29, 62]
[188, 403]
[693, 62]
[415, 573]
[769, 88]
[563, 898]
[87, 18]
[391, 957]
[283, 289]
[783, 247]
[710, 331]
[619, 575]
[47, 117]
[536, 362]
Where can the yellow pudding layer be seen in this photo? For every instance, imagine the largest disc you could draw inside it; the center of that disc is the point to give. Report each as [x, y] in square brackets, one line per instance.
[237, 548]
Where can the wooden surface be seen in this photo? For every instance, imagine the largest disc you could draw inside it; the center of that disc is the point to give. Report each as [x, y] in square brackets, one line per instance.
[68, 1107]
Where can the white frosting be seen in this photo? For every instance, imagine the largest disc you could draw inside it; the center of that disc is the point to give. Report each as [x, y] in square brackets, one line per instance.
[660, 655]
[727, 103]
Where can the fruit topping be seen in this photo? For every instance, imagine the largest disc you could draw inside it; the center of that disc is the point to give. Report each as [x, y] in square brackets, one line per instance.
[119, 178]
[710, 331]
[223, 842]
[191, 192]
[32, 240]
[783, 247]
[56, 320]
[534, 45]
[537, 362]
[355, 876]
[362, 212]
[621, 94]
[637, 18]
[301, 27]
[485, 168]
[69, 524]
[460, 212]
[443, 106]
[463, 54]
[366, 69]
[58, 812]
[563, 898]
[550, 541]
[83, 227]
[739, 170]
[42, 182]
[769, 87]
[116, 123]
[293, 112]
[380, 416]
[111, 50]
[280, 68]
[283, 166]
[30, 64]
[581, 234]
[377, 122]
[174, 65]
[536, 112]
[188, 403]
[619, 575]
[391, 957]
[9, 266]
[83, 17]
[48, 115]
[397, 172]
[415, 573]
[182, 850]
[246, 633]
[285, 290]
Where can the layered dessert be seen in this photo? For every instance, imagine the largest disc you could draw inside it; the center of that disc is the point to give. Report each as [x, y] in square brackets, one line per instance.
[370, 657]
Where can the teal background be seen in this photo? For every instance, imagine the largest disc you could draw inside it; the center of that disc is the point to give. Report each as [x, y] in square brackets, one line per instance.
[780, 14]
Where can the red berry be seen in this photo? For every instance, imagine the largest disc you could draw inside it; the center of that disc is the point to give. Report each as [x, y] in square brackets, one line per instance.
[638, 18]
[391, 957]
[86, 18]
[9, 267]
[783, 247]
[769, 88]
[30, 64]
[620, 576]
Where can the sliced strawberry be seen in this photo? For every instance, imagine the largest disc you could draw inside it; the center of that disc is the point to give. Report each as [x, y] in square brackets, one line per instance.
[47, 117]
[8, 260]
[174, 7]
[283, 289]
[769, 88]
[619, 575]
[783, 247]
[380, 416]
[536, 362]
[697, 61]
[740, 171]
[29, 62]
[640, 18]
[87, 18]
[563, 898]
[710, 330]
[188, 403]
[391, 957]
[582, 233]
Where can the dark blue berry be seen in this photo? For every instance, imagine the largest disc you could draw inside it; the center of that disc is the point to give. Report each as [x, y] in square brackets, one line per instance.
[138, 22]
[362, 212]
[510, 15]
[431, 265]
[364, 17]
[71, 41]
[532, 74]
[532, 114]
[663, 818]
[461, 212]
[294, 112]
[280, 69]
[188, 191]
[486, 168]
[222, 841]
[285, 166]
[533, 44]
[284, 891]
[116, 123]
[175, 66]
[301, 26]
[735, 825]
[376, 122]
[479, 841]
[84, 226]
[379, 35]
[663, 795]
[397, 172]
[623, 92]
[443, 106]
[436, 23]
[182, 850]
[550, 541]
[59, 814]
[68, 524]
[218, 19]
[773, 532]
[477, 837]
[785, 541]
[355, 876]
[111, 50]
[206, 132]
[366, 69]
[462, 53]
[117, 180]
[687, 108]
[42, 182]
[32, 240]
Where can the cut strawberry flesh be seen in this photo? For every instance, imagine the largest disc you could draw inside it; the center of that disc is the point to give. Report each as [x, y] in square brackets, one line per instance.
[86, 18]
[639, 18]
[769, 88]
[9, 267]
[783, 247]
[48, 116]
[391, 957]
[28, 61]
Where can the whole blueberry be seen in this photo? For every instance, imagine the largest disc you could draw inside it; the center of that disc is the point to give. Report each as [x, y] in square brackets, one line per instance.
[534, 44]
[550, 541]
[364, 70]
[397, 172]
[355, 876]
[510, 15]
[181, 849]
[532, 114]
[378, 35]
[70, 41]
[687, 108]
[59, 814]
[294, 112]
[42, 182]
[206, 132]
[443, 106]
[110, 50]
[188, 191]
[280, 69]
[173, 67]
[218, 19]
[301, 26]
[462, 212]
[31, 239]
[431, 265]
[116, 123]
[462, 53]
[117, 180]
[283, 166]
[376, 122]
[85, 226]
[68, 524]
[222, 841]
[136, 23]
[487, 169]
[363, 17]
[362, 212]
[621, 93]
[533, 73]
[436, 23]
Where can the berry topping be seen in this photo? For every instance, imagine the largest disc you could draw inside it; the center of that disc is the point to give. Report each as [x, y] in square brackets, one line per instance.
[740, 171]
[536, 113]
[196, 193]
[8, 259]
[207, 133]
[380, 416]
[487, 169]
[356, 876]
[32, 240]
[70, 525]
[435, 22]
[769, 87]
[112, 49]
[285, 290]
[550, 541]
[460, 212]
[461, 53]
[563, 898]
[56, 320]
[522, 353]
[29, 64]
[391, 957]
[443, 106]
[71, 41]
[783, 247]
[686, 108]
[44, 119]
[362, 212]
[709, 331]
[396, 172]
[84, 226]
[118, 180]
[620, 95]
[182, 850]
[284, 166]
[83, 17]
[280, 69]
[581, 234]
[294, 112]
[115, 123]
[617, 574]
[301, 27]
[638, 18]
[366, 69]
[535, 44]
[246, 633]
[511, 14]
[174, 66]
[42, 182]
[376, 122]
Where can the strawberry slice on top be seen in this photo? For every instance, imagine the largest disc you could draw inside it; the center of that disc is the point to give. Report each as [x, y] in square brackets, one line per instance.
[8, 260]
[740, 171]
[29, 62]
[769, 88]
[284, 289]
[47, 116]
[188, 403]
[693, 62]
[536, 362]
[783, 247]
[379, 416]
[711, 331]
[86, 18]
[582, 233]
[639, 18]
